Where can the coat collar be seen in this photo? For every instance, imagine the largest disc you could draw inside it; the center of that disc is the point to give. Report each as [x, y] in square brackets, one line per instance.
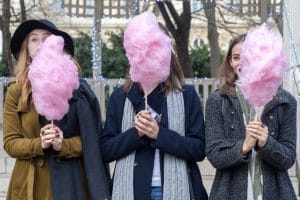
[281, 97]
[22, 108]
[155, 98]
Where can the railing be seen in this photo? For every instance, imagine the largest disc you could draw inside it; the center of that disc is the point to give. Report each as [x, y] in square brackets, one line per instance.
[104, 87]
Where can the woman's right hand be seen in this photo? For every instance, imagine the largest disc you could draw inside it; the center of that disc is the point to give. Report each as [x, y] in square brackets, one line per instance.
[48, 134]
[138, 123]
[249, 143]
[146, 125]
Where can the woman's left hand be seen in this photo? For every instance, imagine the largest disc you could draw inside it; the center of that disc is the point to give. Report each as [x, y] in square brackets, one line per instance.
[57, 141]
[146, 124]
[259, 131]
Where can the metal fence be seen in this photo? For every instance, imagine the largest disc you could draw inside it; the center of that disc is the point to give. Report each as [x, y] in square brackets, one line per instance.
[104, 87]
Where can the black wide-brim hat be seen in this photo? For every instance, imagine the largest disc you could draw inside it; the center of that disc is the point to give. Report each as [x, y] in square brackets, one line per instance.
[26, 27]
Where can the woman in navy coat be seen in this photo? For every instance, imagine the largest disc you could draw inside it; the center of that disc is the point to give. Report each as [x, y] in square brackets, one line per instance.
[156, 150]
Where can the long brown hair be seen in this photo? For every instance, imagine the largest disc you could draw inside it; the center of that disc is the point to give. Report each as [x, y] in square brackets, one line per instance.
[227, 76]
[176, 77]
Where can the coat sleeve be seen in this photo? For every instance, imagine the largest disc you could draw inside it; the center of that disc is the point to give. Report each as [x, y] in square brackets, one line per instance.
[190, 147]
[280, 153]
[71, 147]
[15, 144]
[115, 143]
[221, 151]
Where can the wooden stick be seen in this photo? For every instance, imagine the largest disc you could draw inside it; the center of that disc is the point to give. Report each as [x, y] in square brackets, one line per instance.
[146, 101]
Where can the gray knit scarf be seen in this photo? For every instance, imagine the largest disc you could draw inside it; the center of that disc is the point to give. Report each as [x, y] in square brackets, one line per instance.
[176, 182]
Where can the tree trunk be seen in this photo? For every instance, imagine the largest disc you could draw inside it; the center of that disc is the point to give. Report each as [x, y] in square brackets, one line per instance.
[182, 50]
[179, 27]
[23, 11]
[97, 59]
[213, 36]
[6, 37]
[264, 9]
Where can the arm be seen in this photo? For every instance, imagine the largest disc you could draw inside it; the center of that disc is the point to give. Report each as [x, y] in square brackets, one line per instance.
[190, 147]
[115, 144]
[222, 151]
[280, 153]
[71, 147]
[15, 144]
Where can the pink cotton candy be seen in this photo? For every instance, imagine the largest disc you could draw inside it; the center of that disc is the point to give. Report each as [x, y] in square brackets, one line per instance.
[263, 64]
[148, 50]
[53, 77]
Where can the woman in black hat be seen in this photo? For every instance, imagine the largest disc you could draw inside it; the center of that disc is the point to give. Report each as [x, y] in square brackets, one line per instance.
[70, 168]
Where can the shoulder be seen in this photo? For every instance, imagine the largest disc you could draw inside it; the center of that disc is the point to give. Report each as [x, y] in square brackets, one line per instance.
[285, 96]
[216, 101]
[189, 90]
[216, 96]
[86, 89]
[14, 89]
[189, 94]
[188, 87]
[13, 86]
[118, 96]
[118, 93]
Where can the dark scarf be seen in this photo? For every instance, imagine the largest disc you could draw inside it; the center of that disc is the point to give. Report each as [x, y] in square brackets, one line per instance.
[83, 117]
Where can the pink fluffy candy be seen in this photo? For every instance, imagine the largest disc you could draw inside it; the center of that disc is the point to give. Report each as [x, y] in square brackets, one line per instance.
[53, 77]
[263, 64]
[148, 50]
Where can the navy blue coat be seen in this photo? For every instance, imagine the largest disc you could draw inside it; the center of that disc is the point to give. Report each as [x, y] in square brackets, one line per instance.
[191, 148]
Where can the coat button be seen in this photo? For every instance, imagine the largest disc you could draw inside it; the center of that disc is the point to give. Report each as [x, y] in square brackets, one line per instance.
[41, 162]
[272, 133]
[135, 164]
[271, 117]
[232, 112]
[232, 127]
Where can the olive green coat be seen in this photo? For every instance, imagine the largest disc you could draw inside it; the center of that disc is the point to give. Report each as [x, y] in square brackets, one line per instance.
[21, 128]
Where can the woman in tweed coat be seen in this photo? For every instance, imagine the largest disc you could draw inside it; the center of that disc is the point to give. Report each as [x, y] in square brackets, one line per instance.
[230, 144]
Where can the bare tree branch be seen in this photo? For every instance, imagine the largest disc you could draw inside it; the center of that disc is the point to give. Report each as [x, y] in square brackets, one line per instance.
[173, 13]
[166, 17]
[180, 29]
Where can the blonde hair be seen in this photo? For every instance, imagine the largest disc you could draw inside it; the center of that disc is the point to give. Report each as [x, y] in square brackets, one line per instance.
[21, 73]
